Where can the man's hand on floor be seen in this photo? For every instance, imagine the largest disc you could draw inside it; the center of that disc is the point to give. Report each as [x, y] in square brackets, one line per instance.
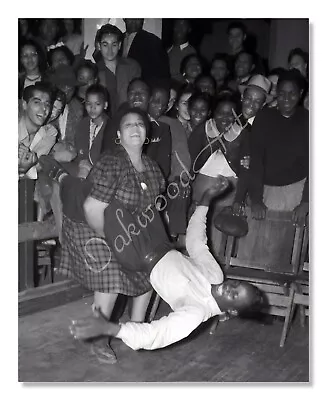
[92, 327]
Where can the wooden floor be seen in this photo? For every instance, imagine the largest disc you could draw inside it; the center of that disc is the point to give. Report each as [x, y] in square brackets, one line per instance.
[239, 351]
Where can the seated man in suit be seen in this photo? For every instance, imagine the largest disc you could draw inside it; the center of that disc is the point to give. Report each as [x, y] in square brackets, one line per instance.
[147, 49]
[194, 287]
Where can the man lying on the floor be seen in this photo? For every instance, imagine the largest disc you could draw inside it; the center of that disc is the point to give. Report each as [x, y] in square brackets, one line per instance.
[194, 287]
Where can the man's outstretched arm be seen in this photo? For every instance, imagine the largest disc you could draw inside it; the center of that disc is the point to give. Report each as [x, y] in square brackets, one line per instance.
[196, 236]
[157, 334]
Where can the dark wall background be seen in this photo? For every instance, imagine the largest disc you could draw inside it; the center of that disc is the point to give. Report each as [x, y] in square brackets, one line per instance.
[214, 32]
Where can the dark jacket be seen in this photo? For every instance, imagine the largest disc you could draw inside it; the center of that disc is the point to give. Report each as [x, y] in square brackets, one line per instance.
[159, 148]
[201, 147]
[82, 138]
[127, 69]
[279, 151]
[75, 114]
[148, 51]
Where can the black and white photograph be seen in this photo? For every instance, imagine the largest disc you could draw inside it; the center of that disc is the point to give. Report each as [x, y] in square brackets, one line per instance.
[164, 199]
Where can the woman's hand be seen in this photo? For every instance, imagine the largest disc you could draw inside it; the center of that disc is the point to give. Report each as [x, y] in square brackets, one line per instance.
[258, 211]
[300, 212]
[237, 209]
[245, 162]
[26, 160]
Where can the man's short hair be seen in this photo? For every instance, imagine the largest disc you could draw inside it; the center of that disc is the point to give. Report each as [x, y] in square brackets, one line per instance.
[256, 302]
[204, 76]
[253, 58]
[220, 57]
[186, 59]
[89, 65]
[237, 25]
[138, 80]
[200, 96]
[109, 29]
[228, 96]
[293, 75]
[156, 88]
[99, 90]
[298, 52]
[29, 91]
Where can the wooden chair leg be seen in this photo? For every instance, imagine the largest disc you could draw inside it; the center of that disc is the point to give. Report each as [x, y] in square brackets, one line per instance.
[288, 316]
[154, 307]
[302, 315]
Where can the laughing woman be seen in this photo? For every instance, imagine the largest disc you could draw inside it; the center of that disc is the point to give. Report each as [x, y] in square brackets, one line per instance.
[133, 179]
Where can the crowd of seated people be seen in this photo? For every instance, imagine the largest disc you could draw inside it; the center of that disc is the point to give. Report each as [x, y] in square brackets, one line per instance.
[229, 118]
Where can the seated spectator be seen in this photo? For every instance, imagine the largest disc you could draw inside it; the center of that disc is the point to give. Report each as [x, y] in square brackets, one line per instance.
[32, 65]
[72, 38]
[115, 72]
[299, 59]
[178, 196]
[236, 32]
[219, 71]
[33, 139]
[86, 75]
[199, 108]
[48, 36]
[147, 49]
[279, 166]
[24, 29]
[159, 148]
[60, 55]
[64, 79]
[89, 131]
[205, 84]
[180, 110]
[180, 48]
[243, 69]
[191, 68]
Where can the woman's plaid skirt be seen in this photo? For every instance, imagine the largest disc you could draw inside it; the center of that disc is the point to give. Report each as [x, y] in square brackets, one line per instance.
[89, 260]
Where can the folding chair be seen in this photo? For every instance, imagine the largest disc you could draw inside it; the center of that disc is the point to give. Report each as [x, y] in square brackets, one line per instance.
[300, 288]
[269, 258]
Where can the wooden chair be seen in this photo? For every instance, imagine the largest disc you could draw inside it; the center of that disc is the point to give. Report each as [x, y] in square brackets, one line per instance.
[300, 289]
[269, 258]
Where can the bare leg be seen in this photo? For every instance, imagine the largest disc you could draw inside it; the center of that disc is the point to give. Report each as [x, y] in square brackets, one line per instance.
[105, 302]
[140, 306]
